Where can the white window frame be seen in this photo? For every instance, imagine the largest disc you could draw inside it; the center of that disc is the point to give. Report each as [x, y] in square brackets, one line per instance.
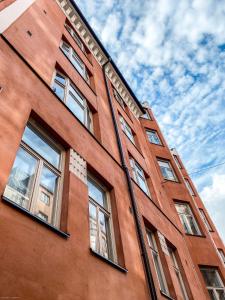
[156, 260]
[169, 167]
[75, 60]
[184, 218]
[189, 187]
[177, 161]
[107, 211]
[88, 117]
[119, 98]
[138, 172]
[222, 255]
[212, 288]
[205, 220]
[154, 132]
[178, 273]
[41, 163]
[126, 129]
[75, 36]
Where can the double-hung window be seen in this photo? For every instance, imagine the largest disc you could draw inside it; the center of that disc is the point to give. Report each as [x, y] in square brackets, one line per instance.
[127, 130]
[36, 177]
[75, 60]
[188, 185]
[205, 219]
[167, 171]
[100, 220]
[178, 274]
[77, 104]
[157, 262]
[222, 255]
[75, 37]
[153, 137]
[119, 99]
[139, 176]
[187, 219]
[214, 283]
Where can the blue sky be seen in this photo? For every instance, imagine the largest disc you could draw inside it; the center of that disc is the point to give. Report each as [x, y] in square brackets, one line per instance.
[172, 54]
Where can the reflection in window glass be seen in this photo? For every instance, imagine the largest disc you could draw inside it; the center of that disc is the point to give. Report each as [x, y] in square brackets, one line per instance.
[139, 176]
[167, 170]
[214, 283]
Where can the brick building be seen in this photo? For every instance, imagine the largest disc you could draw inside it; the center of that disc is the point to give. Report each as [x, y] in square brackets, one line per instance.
[94, 205]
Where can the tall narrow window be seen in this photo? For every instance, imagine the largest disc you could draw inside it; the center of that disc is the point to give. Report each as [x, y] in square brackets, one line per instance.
[75, 37]
[35, 179]
[75, 60]
[187, 219]
[205, 219]
[177, 161]
[119, 99]
[214, 283]
[167, 170]
[188, 185]
[222, 255]
[153, 137]
[178, 274]
[127, 130]
[139, 176]
[157, 262]
[77, 104]
[100, 220]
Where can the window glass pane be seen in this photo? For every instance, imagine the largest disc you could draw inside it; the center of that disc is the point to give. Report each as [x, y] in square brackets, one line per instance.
[166, 170]
[104, 230]
[159, 273]
[142, 184]
[65, 48]
[42, 216]
[211, 278]
[221, 294]
[48, 180]
[96, 193]
[189, 187]
[38, 144]
[61, 79]
[75, 107]
[153, 137]
[59, 90]
[93, 226]
[193, 225]
[78, 64]
[19, 187]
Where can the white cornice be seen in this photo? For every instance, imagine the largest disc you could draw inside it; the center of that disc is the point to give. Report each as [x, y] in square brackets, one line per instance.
[96, 50]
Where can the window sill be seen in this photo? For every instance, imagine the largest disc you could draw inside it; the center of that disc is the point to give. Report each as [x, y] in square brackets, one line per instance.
[166, 296]
[78, 73]
[196, 235]
[110, 262]
[35, 218]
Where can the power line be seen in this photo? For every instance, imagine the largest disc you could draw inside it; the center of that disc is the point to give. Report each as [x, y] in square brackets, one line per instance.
[200, 170]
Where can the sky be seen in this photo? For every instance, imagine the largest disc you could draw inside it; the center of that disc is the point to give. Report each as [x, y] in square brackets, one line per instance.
[172, 54]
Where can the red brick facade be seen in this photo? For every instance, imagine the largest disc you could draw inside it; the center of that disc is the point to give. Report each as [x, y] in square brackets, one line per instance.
[40, 262]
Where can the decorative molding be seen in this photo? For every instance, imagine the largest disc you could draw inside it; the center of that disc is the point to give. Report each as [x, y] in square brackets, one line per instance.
[78, 166]
[163, 243]
[101, 58]
[12, 12]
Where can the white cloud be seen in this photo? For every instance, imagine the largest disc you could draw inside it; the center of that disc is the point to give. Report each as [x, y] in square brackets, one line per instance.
[173, 55]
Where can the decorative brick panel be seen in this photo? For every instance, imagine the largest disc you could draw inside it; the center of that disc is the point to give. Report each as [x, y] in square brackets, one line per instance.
[78, 166]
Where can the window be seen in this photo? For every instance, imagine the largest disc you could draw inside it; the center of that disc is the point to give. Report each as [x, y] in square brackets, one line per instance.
[177, 162]
[36, 176]
[214, 283]
[127, 130]
[153, 137]
[157, 262]
[77, 104]
[119, 98]
[189, 187]
[205, 219]
[139, 176]
[167, 170]
[75, 37]
[222, 255]
[146, 115]
[187, 219]
[178, 273]
[75, 60]
[100, 220]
